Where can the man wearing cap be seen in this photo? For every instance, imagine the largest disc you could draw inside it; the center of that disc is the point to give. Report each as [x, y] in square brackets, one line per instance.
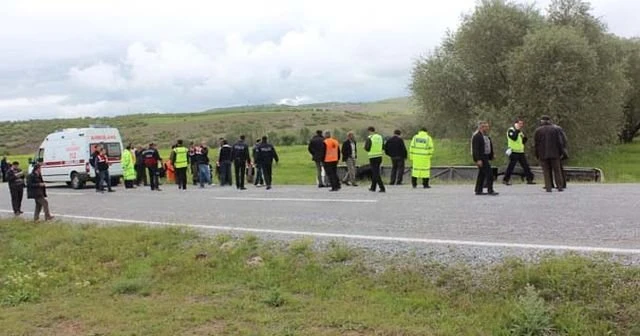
[549, 148]
[37, 191]
[15, 177]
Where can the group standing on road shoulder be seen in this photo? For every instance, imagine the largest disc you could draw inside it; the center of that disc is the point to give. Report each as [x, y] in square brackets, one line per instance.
[235, 162]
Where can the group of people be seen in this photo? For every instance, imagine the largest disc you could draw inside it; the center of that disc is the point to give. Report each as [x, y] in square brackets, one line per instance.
[326, 152]
[145, 165]
[550, 148]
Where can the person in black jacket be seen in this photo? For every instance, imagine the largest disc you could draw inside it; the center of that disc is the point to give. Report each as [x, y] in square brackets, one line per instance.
[265, 157]
[259, 178]
[316, 149]
[482, 151]
[397, 151]
[349, 156]
[224, 162]
[151, 158]
[15, 177]
[37, 191]
[241, 159]
[550, 148]
[141, 172]
[4, 168]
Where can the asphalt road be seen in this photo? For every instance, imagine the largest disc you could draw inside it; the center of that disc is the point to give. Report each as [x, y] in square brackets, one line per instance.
[584, 218]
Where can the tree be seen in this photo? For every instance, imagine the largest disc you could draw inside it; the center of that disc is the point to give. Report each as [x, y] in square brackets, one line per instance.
[508, 60]
[556, 72]
[483, 43]
[440, 88]
[465, 78]
[631, 106]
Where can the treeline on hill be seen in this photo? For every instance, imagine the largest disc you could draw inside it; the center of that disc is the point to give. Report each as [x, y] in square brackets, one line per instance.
[507, 60]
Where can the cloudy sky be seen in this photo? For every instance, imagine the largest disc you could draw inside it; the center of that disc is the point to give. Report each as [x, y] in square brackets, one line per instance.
[70, 58]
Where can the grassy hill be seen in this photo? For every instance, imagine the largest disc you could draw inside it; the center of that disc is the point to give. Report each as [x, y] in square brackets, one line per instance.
[284, 124]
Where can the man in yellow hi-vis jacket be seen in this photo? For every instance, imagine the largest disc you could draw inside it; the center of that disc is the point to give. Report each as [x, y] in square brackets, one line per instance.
[420, 153]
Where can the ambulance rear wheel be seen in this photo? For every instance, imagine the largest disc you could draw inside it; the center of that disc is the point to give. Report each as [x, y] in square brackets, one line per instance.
[76, 182]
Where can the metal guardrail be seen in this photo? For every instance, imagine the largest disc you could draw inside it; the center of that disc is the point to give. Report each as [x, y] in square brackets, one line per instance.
[455, 173]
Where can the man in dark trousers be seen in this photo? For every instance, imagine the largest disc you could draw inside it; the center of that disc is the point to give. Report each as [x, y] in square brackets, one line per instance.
[4, 168]
[201, 155]
[374, 146]
[141, 171]
[224, 162]
[15, 177]
[151, 159]
[259, 179]
[265, 157]
[397, 151]
[93, 160]
[37, 191]
[180, 162]
[565, 156]
[102, 171]
[550, 148]
[331, 155]
[482, 151]
[516, 141]
[241, 159]
[316, 148]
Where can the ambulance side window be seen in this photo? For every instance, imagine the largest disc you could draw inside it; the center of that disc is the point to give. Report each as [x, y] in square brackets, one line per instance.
[113, 149]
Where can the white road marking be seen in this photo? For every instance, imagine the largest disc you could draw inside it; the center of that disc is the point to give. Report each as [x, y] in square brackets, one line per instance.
[592, 249]
[56, 193]
[268, 199]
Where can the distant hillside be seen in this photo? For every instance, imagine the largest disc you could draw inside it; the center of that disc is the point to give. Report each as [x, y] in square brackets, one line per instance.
[283, 124]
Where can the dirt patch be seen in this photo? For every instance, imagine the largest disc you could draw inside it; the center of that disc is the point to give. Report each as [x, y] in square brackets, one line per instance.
[65, 328]
[209, 328]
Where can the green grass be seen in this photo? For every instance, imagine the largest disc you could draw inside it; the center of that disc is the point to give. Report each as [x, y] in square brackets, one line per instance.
[620, 163]
[59, 279]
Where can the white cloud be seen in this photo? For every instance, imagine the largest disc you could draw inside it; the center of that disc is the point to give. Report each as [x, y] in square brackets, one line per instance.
[73, 57]
[295, 101]
[99, 76]
[31, 102]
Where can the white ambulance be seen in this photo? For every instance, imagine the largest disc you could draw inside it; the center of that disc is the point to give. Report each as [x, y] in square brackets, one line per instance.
[65, 155]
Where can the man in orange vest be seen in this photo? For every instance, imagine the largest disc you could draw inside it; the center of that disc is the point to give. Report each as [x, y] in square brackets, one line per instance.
[331, 159]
